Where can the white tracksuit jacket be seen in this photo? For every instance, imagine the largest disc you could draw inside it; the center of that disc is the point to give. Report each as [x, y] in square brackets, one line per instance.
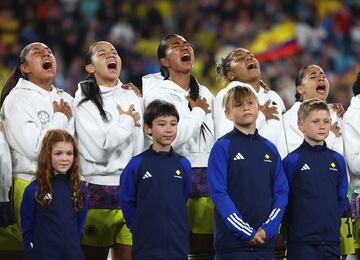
[294, 137]
[351, 137]
[189, 141]
[106, 147]
[5, 169]
[271, 129]
[28, 114]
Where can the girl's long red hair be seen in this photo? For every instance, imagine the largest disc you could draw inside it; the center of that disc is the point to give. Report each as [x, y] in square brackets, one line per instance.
[45, 171]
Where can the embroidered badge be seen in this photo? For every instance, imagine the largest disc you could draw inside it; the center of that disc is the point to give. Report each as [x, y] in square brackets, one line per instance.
[267, 158]
[178, 172]
[175, 97]
[90, 230]
[44, 117]
[333, 167]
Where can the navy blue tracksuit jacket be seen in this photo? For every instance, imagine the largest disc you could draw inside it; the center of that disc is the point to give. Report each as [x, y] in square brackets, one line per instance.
[154, 188]
[53, 232]
[318, 187]
[249, 189]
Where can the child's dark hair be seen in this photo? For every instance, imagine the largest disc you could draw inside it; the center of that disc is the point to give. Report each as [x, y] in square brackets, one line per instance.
[310, 105]
[298, 81]
[90, 88]
[194, 85]
[159, 108]
[45, 171]
[15, 75]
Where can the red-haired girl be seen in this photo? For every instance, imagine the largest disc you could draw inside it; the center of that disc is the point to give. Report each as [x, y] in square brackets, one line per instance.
[54, 206]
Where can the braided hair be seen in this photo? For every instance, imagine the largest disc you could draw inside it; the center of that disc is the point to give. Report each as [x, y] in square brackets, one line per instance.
[194, 85]
[90, 87]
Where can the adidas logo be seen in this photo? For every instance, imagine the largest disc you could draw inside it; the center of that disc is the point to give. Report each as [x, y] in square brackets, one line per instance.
[305, 167]
[147, 175]
[239, 157]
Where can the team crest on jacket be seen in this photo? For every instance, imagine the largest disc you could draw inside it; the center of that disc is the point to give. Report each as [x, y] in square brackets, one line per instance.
[175, 97]
[43, 116]
[90, 230]
[178, 174]
[267, 158]
[333, 167]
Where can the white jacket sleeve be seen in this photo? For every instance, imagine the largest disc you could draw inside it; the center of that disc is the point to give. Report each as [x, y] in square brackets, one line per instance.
[98, 140]
[222, 124]
[188, 125]
[23, 128]
[293, 135]
[5, 169]
[335, 142]
[351, 137]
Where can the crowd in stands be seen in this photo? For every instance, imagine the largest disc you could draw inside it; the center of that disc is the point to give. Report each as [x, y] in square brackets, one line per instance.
[326, 33]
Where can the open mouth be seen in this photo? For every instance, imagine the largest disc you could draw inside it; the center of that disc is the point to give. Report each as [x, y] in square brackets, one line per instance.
[186, 57]
[47, 65]
[321, 89]
[251, 66]
[112, 65]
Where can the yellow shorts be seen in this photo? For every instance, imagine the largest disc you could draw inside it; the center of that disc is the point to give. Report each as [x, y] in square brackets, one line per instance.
[347, 243]
[105, 227]
[201, 215]
[11, 236]
[356, 228]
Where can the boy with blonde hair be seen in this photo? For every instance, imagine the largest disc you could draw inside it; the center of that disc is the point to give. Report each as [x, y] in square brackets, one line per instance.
[318, 186]
[246, 182]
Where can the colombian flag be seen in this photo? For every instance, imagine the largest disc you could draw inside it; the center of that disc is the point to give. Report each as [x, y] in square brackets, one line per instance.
[276, 43]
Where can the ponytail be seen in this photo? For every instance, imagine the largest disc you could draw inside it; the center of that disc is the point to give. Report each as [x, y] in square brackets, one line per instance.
[91, 92]
[194, 88]
[194, 94]
[164, 72]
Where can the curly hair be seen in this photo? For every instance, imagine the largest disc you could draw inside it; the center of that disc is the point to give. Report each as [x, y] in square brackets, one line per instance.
[45, 171]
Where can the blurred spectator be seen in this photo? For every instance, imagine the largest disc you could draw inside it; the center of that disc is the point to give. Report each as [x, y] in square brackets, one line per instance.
[326, 32]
